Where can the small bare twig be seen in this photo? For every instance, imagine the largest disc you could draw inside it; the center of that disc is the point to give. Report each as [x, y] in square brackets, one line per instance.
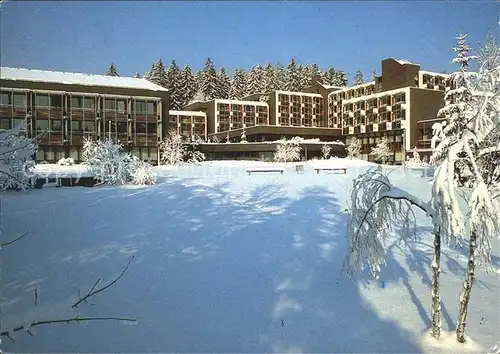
[93, 292]
[14, 240]
[68, 321]
[36, 297]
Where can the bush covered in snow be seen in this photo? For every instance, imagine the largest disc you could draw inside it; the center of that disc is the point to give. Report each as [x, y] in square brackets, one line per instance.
[16, 162]
[325, 151]
[382, 151]
[288, 150]
[415, 161]
[175, 151]
[111, 165]
[354, 148]
[66, 161]
[142, 173]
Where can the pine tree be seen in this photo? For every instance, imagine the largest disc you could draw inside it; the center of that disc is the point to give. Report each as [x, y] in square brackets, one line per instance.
[292, 76]
[331, 76]
[187, 85]
[340, 79]
[374, 75]
[279, 77]
[268, 80]
[255, 80]
[313, 73]
[208, 80]
[238, 84]
[157, 74]
[112, 71]
[223, 84]
[174, 75]
[304, 78]
[358, 78]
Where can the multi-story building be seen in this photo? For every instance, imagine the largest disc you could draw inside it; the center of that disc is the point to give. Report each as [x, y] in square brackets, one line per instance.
[400, 105]
[64, 108]
[189, 124]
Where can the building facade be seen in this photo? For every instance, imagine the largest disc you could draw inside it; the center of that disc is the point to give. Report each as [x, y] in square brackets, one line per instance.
[65, 108]
[189, 124]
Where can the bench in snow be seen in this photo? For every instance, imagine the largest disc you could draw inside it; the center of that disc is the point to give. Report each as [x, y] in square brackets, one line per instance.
[265, 169]
[342, 170]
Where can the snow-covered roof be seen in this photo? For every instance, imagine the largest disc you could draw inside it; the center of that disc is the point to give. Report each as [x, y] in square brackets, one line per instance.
[432, 73]
[187, 113]
[7, 73]
[403, 61]
[331, 87]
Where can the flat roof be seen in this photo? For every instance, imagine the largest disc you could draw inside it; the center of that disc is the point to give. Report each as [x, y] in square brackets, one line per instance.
[35, 75]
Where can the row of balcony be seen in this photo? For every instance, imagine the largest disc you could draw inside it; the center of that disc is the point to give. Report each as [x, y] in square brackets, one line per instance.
[369, 128]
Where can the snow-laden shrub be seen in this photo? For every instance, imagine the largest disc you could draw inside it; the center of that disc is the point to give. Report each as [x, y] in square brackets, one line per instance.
[288, 150]
[16, 162]
[415, 161]
[382, 151]
[243, 138]
[141, 172]
[354, 148]
[175, 151]
[325, 151]
[66, 161]
[107, 161]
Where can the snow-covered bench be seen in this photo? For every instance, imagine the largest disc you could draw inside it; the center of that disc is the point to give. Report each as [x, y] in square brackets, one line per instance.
[342, 170]
[265, 169]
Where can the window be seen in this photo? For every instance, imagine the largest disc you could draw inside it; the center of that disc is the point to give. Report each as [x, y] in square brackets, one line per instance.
[121, 104]
[19, 100]
[56, 100]
[140, 128]
[5, 99]
[89, 126]
[42, 100]
[5, 123]
[56, 125]
[140, 106]
[18, 121]
[89, 103]
[109, 103]
[121, 127]
[152, 128]
[42, 124]
[76, 125]
[76, 102]
[151, 108]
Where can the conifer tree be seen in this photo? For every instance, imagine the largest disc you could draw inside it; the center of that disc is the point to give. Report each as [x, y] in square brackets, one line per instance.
[157, 74]
[223, 84]
[374, 75]
[208, 80]
[112, 71]
[238, 84]
[188, 85]
[358, 78]
[174, 75]
[279, 77]
[292, 76]
[255, 80]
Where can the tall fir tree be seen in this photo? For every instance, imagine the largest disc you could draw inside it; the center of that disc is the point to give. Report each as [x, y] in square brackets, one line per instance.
[314, 73]
[238, 84]
[292, 76]
[208, 82]
[174, 75]
[268, 82]
[279, 76]
[188, 86]
[330, 76]
[340, 79]
[157, 74]
[112, 71]
[358, 78]
[223, 84]
[304, 78]
[255, 80]
[374, 75]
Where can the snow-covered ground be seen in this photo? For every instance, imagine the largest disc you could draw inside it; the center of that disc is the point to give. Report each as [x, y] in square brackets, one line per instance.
[226, 262]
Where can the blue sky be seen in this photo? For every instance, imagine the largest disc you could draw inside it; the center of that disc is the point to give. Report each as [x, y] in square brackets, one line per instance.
[87, 36]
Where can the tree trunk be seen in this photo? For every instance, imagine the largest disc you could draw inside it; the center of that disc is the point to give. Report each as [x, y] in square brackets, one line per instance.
[435, 295]
[466, 289]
